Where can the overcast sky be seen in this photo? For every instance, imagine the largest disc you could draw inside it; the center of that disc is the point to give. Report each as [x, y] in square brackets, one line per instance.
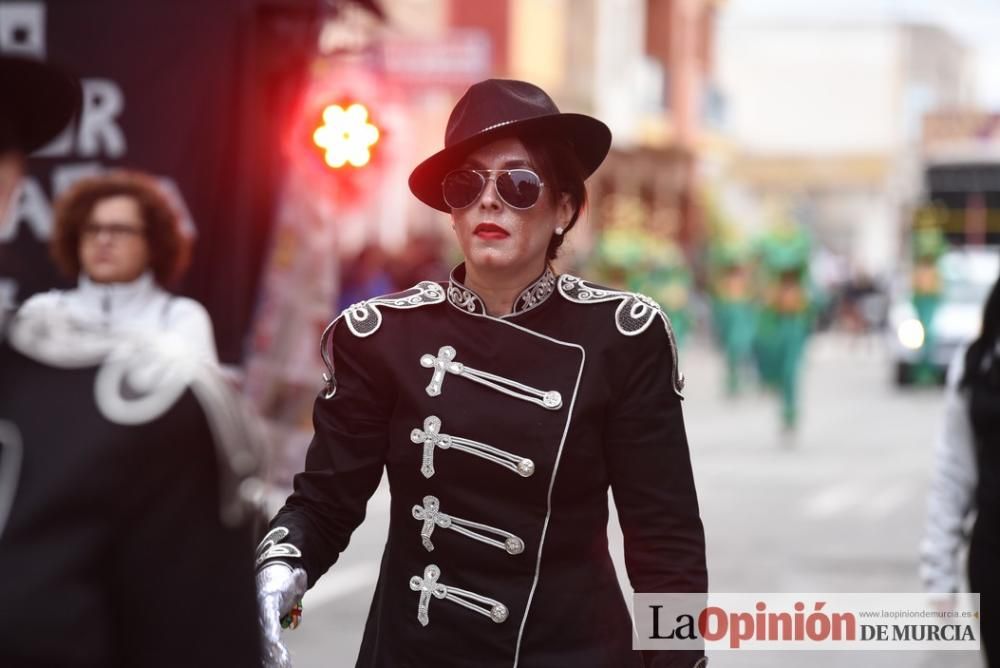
[977, 22]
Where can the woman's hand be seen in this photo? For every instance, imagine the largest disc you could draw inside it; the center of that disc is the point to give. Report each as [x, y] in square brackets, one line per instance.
[279, 589]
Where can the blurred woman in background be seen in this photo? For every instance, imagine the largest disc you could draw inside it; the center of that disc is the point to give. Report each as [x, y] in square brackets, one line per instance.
[122, 462]
[120, 238]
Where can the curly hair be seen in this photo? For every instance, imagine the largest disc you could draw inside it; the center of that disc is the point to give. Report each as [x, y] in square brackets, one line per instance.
[169, 248]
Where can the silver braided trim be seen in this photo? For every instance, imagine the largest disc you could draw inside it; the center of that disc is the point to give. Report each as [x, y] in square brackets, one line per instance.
[364, 318]
[467, 301]
[634, 315]
[429, 586]
[431, 516]
[329, 379]
[444, 363]
[522, 466]
[431, 437]
[536, 293]
[271, 547]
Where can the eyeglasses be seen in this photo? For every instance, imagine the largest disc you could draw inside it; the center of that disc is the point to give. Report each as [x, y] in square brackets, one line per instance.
[116, 231]
[518, 188]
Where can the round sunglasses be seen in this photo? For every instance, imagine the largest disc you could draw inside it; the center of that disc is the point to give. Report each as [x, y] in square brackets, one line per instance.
[518, 188]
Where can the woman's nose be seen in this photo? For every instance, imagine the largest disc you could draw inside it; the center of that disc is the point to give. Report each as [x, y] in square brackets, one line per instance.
[489, 199]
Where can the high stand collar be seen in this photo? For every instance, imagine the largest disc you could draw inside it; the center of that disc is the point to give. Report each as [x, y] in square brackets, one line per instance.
[533, 295]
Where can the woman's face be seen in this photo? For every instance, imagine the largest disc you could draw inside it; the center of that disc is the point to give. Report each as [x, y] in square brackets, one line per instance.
[113, 247]
[496, 238]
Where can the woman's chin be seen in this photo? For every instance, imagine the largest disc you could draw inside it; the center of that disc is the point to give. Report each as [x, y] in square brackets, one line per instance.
[489, 259]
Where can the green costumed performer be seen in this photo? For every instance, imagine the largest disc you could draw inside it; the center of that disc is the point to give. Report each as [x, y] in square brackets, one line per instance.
[734, 314]
[786, 313]
[928, 247]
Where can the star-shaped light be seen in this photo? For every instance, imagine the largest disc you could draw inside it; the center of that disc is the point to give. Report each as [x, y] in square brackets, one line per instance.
[346, 135]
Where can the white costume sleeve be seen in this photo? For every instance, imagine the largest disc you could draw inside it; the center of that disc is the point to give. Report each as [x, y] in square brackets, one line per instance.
[189, 321]
[952, 489]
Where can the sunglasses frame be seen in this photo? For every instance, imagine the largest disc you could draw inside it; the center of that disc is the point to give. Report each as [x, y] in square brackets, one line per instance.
[488, 175]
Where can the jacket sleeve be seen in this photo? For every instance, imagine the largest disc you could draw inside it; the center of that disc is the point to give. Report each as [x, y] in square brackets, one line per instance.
[189, 322]
[651, 479]
[344, 462]
[953, 483]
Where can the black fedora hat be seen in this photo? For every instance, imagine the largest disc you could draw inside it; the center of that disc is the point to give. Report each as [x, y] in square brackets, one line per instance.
[37, 100]
[497, 108]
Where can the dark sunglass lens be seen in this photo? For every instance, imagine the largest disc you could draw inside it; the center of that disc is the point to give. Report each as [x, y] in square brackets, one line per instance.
[519, 188]
[461, 188]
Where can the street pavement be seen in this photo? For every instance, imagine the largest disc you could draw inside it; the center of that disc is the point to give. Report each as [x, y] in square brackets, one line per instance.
[837, 506]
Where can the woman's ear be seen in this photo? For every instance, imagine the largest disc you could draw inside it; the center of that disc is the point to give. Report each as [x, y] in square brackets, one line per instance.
[564, 211]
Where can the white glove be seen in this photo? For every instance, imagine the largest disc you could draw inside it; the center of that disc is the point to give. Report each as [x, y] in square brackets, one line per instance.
[279, 588]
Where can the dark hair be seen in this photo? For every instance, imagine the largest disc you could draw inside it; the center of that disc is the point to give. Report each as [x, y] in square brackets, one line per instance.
[984, 345]
[562, 173]
[169, 249]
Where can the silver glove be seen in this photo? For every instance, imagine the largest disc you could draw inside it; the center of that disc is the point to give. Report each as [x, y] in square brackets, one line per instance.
[279, 588]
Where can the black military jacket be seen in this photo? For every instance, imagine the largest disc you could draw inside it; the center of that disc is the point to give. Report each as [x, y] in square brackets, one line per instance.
[501, 438]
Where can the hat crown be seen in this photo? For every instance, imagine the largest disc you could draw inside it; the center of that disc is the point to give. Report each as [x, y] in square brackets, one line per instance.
[493, 103]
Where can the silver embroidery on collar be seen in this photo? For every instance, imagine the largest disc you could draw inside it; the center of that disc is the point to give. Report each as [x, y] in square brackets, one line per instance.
[430, 437]
[431, 516]
[634, 315]
[271, 547]
[429, 586]
[465, 299]
[364, 318]
[445, 363]
[535, 294]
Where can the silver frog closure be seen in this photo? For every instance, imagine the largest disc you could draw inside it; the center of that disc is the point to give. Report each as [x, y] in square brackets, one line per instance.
[431, 516]
[430, 437]
[444, 363]
[429, 586]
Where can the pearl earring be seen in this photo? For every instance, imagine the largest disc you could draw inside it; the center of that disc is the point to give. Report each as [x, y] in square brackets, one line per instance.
[560, 230]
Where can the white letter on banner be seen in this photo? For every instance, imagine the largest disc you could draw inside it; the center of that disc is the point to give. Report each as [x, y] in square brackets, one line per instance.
[103, 101]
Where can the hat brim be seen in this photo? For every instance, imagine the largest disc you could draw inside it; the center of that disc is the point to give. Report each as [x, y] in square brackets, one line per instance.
[589, 137]
[38, 102]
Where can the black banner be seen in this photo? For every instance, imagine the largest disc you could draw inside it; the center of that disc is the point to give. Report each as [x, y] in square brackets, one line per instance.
[197, 93]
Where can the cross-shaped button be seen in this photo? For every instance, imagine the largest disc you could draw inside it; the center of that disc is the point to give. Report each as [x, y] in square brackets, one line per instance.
[430, 436]
[432, 516]
[427, 586]
[443, 363]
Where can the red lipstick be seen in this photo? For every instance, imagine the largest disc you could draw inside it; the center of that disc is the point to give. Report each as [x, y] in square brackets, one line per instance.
[490, 231]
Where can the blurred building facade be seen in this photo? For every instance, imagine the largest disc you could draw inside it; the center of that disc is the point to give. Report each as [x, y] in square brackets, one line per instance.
[828, 116]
